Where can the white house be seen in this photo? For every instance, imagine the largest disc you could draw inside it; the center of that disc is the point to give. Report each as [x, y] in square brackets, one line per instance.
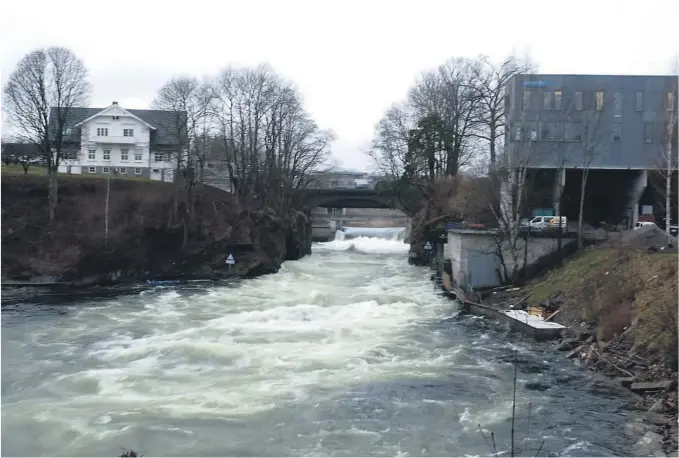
[141, 143]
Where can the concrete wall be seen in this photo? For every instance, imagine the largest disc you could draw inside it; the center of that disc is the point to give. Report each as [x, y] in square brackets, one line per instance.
[361, 217]
[475, 262]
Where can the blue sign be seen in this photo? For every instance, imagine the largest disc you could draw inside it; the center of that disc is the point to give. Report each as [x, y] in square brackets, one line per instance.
[535, 84]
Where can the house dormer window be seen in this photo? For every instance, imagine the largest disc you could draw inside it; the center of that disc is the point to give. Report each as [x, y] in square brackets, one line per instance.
[102, 132]
[128, 132]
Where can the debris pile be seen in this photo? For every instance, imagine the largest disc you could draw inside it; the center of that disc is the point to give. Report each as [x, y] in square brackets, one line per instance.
[654, 384]
[650, 236]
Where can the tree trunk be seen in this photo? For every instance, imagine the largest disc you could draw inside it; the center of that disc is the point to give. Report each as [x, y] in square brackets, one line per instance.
[559, 240]
[582, 206]
[668, 189]
[53, 189]
[493, 154]
[108, 192]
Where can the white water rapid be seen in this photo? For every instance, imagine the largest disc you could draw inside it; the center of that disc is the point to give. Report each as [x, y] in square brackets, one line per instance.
[348, 352]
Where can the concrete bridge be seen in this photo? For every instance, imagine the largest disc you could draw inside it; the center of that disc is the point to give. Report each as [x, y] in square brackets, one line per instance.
[347, 198]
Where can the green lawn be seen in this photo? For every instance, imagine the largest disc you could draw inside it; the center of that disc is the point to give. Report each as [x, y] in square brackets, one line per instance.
[38, 170]
[17, 169]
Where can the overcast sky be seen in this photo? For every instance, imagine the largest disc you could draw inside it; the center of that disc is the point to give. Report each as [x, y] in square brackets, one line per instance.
[350, 59]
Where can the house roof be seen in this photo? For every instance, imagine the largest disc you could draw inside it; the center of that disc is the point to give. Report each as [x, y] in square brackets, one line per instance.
[165, 122]
[116, 107]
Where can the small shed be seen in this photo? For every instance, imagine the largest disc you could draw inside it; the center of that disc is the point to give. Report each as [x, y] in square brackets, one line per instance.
[473, 257]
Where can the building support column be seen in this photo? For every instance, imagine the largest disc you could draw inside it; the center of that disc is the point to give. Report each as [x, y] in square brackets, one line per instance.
[557, 192]
[639, 185]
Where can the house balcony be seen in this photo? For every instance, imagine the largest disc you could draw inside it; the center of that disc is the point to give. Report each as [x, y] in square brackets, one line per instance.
[115, 139]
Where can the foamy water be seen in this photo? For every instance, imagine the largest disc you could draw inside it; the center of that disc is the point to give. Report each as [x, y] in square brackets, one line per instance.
[346, 352]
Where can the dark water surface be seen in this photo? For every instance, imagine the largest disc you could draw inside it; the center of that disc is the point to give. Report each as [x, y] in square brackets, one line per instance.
[348, 352]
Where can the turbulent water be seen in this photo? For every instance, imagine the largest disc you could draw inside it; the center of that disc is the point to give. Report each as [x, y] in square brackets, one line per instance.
[347, 352]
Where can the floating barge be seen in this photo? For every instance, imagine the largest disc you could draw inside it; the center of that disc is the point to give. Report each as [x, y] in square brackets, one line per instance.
[517, 320]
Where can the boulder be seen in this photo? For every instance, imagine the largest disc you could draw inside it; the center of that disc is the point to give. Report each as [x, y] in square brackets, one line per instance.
[649, 445]
[658, 406]
[568, 344]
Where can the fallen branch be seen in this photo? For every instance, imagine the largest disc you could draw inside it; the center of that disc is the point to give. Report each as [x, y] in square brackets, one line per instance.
[624, 371]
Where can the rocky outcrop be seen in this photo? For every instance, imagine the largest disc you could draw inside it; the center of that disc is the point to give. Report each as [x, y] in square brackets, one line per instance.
[142, 242]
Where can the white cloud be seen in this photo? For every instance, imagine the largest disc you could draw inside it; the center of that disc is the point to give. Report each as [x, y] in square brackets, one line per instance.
[351, 59]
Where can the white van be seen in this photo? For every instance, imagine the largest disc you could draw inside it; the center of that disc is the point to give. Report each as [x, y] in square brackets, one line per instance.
[640, 224]
[545, 223]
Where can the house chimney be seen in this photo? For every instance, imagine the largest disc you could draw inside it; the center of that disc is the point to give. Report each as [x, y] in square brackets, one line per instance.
[115, 103]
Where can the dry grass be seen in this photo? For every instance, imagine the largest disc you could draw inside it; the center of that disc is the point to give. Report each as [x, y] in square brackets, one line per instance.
[612, 288]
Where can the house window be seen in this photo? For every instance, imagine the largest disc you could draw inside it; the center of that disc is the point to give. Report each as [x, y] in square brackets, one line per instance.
[639, 101]
[210, 165]
[526, 99]
[158, 157]
[518, 131]
[670, 101]
[128, 132]
[155, 170]
[557, 100]
[550, 131]
[599, 100]
[92, 170]
[547, 103]
[107, 154]
[137, 157]
[578, 101]
[123, 170]
[617, 104]
[137, 171]
[336, 211]
[102, 131]
[124, 154]
[533, 131]
[572, 132]
[105, 170]
[617, 132]
[648, 132]
[92, 154]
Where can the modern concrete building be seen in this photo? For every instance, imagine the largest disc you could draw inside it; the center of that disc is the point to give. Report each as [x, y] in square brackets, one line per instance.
[615, 126]
[110, 140]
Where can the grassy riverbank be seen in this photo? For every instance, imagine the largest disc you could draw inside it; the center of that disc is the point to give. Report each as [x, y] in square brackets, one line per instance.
[621, 303]
[611, 289]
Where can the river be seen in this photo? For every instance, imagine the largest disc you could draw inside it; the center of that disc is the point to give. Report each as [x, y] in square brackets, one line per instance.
[348, 352]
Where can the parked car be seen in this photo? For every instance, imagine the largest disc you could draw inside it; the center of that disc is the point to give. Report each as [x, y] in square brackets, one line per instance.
[640, 224]
[545, 223]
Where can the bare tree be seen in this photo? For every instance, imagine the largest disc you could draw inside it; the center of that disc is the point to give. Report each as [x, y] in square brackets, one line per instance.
[189, 102]
[669, 158]
[38, 98]
[492, 81]
[452, 93]
[272, 144]
[592, 138]
[389, 148]
[513, 194]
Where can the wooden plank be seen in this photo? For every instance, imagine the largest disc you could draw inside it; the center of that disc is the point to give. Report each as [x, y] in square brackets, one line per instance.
[552, 315]
[661, 385]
